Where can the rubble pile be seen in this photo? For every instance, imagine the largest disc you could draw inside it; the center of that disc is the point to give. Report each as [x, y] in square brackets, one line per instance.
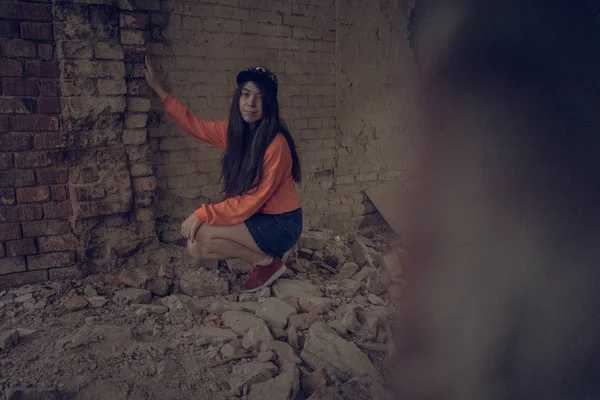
[322, 331]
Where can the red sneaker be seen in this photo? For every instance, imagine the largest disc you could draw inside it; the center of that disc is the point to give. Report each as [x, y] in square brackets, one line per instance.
[263, 275]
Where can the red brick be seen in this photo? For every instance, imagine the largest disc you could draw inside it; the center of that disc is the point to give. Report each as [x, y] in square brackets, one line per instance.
[7, 197]
[46, 51]
[14, 105]
[38, 159]
[58, 210]
[48, 105]
[51, 260]
[33, 194]
[20, 87]
[59, 193]
[22, 247]
[10, 30]
[15, 142]
[16, 178]
[26, 11]
[4, 123]
[11, 68]
[23, 278]
[5, 161]
[50, 88]
[36, 30]
[19, 48]
[29, 212]
[57, 243]
[35, 123]
[10, 232]
[52, 176]
[42, 69]
[52, 140]
[46, 228]
[12, 265]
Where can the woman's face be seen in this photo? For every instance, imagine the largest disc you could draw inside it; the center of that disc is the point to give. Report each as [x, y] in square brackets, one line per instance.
[251, 103]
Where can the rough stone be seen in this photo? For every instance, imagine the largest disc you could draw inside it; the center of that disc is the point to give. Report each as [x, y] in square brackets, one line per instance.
[292, 338]
[131, 295]
[251, 373]
[136, 278]
[315, 305]
[25, 333]
[303, 321]
[347, 271]
[275, 312]
[378, 283]
[368, 329]
[314, 382]
[286, 288]
[89, 291]
[284, 386]
[256, 336]
[340, 358]
[249, 306]
[365, 272]
[242, 322]
[239, 266]
[227, 350]
[265, 356]
[76, 303]
[160, 286]
[311, 241]
[151, 308]
[202, 283]
[373, 299]
[8, 339]
[337, 326]
[216, 333]
[328, 393]
[20, 393]
[24, 298]
[285, 353]
[180, 305]
[97, 301]
[350, 321]
[167, 271]
[360, 252]
[364, 388]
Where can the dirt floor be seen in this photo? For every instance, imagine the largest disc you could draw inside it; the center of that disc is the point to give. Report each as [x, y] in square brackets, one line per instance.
[323, 330]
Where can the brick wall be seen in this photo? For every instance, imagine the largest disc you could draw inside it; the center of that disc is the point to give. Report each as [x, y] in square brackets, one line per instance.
[93, 173]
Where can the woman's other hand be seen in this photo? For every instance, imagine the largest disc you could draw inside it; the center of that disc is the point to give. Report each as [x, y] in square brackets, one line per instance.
[190, 227]
[152, 78]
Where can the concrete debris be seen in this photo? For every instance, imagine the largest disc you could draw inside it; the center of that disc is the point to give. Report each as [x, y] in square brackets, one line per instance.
[275, 311]
[339, 327]
[82, 338]
[97, 301]
[24, 298]
[216, 333]
[284, 386]
[315, 305]
[306, 254]
[227, 350]
[167, 271]
[203, 283]
[350, 321]
[368, 330]
[136, 278]
[314, 382]
[292, 338]
[312, 241]
[256, 336]
[303, 321]
[131, 295]
[160, 286]
[179, 305]
[340, 358]
[365, 272]
[265, 356]
[377, 283]
[25, 333]
[364, 388]
[375, 300]
[249, 306]
[360, 253]
[251, 373]
[76, 303]
[89, 291]
[9, 339]
[151, 308]
[286, 288]
[284, 352]
[242, 322]
[347, 271]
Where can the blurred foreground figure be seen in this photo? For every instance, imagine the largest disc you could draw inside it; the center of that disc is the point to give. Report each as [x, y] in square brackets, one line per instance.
[504, 298]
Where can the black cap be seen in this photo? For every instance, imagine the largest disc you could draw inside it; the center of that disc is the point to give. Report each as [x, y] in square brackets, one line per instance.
[261, 75]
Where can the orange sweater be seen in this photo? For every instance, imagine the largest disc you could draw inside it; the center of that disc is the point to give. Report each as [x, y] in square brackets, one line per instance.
[276, 194]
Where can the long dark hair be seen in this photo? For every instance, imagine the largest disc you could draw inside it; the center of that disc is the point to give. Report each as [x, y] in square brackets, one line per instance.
[242, 163]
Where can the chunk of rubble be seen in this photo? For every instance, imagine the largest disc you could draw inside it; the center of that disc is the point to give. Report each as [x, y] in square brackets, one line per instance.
[303, 321]
[132, 295]
[284, 386]
[275, 311]
[203, 283]
[215, 333]
[347, 271]
[377, 283]
[25, 333]
[150, 308]
[136, 278]
[284, 352]
[330, 393]
[251, 373]
[265, 356]
[241, 322]
[314, 382]
[21, 393]
[97, 301]
[160, 286]
[340, 358]
[292, 338]
[179, 305]
[9, 339]
[375, 300]
[364, 387]
[360, 253]
[167, 271]
[287, 288]
[75, 303]
[315, 305]
[256, 336]
[312, 241]
[83, 337]
[337, 326]
[23, 298]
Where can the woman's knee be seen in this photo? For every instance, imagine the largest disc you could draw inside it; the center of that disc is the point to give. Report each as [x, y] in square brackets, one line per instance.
[196, 250]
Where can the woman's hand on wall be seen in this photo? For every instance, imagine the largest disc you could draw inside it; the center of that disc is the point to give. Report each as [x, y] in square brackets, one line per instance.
[152, 79]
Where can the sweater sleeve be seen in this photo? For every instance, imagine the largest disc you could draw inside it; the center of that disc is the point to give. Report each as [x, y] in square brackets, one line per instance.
[214, 133]
[235, 210]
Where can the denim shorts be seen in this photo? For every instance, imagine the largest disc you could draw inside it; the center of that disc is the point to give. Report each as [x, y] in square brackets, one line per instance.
[275, 234]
